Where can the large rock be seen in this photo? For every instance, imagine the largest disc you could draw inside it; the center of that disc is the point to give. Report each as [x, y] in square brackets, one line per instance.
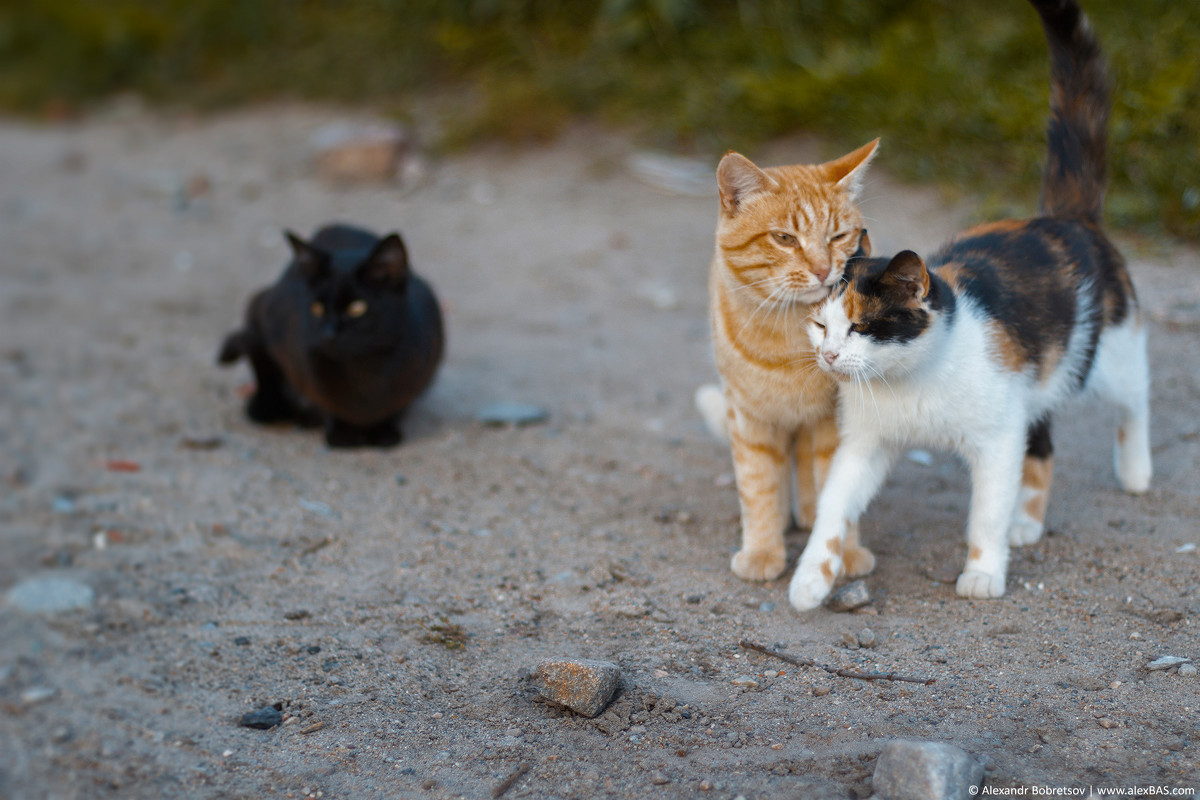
[851, 596]
[908, 770]
[583, 686]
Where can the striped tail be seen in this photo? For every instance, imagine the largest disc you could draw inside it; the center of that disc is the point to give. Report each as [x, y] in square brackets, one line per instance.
[1074, 178]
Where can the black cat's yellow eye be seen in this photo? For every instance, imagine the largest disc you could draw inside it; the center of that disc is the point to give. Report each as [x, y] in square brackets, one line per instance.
[317, 309]
[356, 308]
[785, 239]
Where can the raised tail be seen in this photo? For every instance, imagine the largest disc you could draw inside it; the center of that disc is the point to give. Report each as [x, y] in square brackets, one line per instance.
[1074, 177]
[710, 402]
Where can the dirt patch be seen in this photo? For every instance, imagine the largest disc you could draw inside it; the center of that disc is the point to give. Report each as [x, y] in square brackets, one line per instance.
[389, 602]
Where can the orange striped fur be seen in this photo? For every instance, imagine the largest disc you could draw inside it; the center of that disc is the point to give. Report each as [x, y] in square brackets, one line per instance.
[783, 238]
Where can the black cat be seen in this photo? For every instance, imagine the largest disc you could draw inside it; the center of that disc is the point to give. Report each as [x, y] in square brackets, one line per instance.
[348, 330]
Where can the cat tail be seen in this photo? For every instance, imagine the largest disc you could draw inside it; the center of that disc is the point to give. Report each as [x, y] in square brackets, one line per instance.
[710, 402]
[1074, 178]
[233, 348]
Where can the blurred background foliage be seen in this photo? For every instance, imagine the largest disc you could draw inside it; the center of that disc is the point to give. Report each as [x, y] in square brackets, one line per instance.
[957, 89]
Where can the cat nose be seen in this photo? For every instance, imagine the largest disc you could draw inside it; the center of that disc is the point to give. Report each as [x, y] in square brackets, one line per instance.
[821, 273]
[830, 356]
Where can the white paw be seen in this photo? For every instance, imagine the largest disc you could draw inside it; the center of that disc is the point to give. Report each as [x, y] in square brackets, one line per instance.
[758, 565]
[980, 585]
[808, 589]
[1133, 472]
[1024, 530]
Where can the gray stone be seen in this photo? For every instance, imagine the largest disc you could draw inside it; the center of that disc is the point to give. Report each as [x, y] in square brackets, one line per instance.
[745, 681]
[582, 685]
[910, 770]
[51, 595]
[1187, 670]
[511, 414]
[867, 638]
[262, 719]
[1166, 662]
[350, 153]
[851, 596]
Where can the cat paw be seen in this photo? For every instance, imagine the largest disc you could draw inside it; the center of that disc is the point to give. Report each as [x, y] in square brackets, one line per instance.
[980, 585]
[1024, 530]
[806, 515]
[858, 561]
[1133, 470]
[758, 565]
[267, 408]
[809, 588]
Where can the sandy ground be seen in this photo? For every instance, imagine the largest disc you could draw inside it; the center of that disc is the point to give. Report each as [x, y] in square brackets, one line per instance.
[390, 601]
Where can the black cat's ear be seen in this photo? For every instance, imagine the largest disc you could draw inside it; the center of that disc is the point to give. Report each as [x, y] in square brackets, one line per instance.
[311, 262]
[388, 263]
[907, 274]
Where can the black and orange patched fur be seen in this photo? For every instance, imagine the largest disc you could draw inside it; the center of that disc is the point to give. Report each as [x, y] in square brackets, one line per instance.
[974, 351]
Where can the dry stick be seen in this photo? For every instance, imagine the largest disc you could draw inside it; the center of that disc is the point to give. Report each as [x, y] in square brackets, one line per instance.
[521, 769]
[845, 673]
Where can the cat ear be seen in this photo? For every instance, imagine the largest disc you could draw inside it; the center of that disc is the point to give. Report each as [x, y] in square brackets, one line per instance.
[738, 179]
[848, 170]
[907, 274]
[388, 263]
[311, 262]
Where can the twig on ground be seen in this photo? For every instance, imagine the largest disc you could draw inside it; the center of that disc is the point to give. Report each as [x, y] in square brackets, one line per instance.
[508, 782]
[312, 548]
[844, 673]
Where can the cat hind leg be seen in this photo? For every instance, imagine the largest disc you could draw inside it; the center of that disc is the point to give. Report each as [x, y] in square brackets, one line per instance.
[1121, 374]
[1037, 472]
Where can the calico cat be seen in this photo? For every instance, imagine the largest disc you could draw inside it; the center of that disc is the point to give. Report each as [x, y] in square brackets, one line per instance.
[349, 330]
[975, 350]
[783, 237]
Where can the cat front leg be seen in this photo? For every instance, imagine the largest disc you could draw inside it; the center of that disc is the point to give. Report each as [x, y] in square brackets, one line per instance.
[760, 467]
[855, 475]
[996, 484]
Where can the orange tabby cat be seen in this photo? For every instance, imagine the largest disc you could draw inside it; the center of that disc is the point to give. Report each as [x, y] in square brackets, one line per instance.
[783, 238]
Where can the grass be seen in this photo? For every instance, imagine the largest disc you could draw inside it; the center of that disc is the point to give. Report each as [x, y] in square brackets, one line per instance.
[958, 91]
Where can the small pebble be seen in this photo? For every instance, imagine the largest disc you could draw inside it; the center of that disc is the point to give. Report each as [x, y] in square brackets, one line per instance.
[1166, 662]
[1107, 723]
[850, 640]
[517, 414]
[745, 681]
[37, 694]
[659, 779]
[867, 638]
[1187, 670]
[51, 595]
[262, 719]
[851, 596]
[821, 691]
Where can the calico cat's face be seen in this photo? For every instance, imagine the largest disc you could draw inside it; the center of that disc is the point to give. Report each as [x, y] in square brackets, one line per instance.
[878, 321]
[786, 233]
[356, 298]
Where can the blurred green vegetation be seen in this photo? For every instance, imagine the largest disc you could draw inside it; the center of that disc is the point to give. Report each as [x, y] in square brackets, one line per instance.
[958, 90]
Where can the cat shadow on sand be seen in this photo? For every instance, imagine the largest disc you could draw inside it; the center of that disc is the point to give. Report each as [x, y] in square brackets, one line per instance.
[348, 337]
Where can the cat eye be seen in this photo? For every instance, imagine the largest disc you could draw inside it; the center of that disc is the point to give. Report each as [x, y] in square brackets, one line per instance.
[841, 237]
[785, 239]
[357, 308]
[317, 309]
[819, 325]
[857, 327]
